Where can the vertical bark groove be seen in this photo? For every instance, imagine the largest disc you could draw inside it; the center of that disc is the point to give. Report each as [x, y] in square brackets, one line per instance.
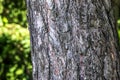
[73, 40]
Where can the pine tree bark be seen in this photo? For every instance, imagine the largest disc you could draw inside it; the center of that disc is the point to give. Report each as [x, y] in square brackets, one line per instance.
[73, 40]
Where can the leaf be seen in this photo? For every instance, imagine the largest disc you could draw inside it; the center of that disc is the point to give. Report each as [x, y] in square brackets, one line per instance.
[13, 68]
[19, 72]
[118, 21]
[5, 20]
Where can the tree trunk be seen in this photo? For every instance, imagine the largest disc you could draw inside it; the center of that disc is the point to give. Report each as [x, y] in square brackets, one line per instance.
[73, 40]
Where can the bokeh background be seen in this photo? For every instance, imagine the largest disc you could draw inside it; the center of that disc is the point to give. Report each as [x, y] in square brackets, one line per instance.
[15, 60]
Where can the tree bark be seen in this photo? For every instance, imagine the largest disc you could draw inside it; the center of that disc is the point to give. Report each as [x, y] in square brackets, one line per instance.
[73, 40]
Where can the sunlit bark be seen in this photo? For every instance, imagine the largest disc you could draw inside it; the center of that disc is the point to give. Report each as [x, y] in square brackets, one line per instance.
[73, 40]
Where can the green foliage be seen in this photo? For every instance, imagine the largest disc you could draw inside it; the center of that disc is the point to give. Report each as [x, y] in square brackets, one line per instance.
[13, 11]
[1, 6]
[118, 22]
[15, 63]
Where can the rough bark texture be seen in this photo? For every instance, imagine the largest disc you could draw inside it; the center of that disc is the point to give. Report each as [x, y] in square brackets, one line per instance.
[73, 40]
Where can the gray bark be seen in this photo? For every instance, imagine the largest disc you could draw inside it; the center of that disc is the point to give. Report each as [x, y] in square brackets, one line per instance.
[73, 40]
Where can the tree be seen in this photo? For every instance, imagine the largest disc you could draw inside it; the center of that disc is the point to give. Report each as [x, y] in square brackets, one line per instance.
[73, 40]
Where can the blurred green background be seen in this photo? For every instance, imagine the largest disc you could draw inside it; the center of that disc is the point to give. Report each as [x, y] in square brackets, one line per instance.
[15, 62]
